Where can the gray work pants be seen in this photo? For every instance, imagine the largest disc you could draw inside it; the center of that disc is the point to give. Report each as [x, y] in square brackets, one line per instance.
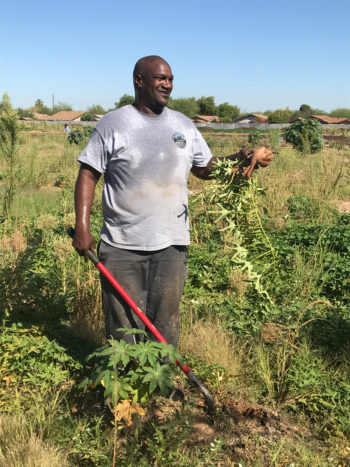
[155, 280]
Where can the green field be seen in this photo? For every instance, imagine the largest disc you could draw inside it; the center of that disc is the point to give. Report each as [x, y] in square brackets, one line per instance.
[265, 319]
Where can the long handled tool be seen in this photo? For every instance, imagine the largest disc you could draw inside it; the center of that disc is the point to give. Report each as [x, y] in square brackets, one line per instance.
[188, 372]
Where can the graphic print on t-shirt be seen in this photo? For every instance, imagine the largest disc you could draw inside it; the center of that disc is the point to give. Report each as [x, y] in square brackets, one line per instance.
[180, 140]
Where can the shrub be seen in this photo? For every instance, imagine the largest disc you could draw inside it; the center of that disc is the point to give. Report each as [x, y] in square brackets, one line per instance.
[255, 138]
[29, 360]
[305, 136]
[132, 371]
[80, 136]
[301, 207]
[87, 117]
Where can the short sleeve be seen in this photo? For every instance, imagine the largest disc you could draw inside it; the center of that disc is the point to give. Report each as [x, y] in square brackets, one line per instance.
[200, 149]
[95, 153]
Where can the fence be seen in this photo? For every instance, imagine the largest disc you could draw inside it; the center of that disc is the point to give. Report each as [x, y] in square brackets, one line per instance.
[259, 126]
[214, 126]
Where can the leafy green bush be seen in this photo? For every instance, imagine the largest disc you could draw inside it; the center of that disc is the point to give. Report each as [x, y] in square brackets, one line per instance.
[28, 359]
[301, 207]
[80, 135]
[305, 136]
[132, 371]
[325, 253]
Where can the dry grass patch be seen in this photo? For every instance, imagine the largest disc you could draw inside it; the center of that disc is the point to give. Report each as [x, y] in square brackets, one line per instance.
[88, 320]
[212, 344]
[16, 243]
[20, 447]
[323, 176]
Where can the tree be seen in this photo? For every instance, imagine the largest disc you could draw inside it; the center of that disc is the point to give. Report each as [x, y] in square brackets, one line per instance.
[279, 115]
[227, 112]
[318, 112]
[124, 100]
[87, 117]
[345, 113]
[39, 104]
[24, 112]
[96, 109]
[60, 106]
[8, 149]
[206, 105]
[305, 110]
[91, 111]
[305, 136]
[40, 108]
[187, 106]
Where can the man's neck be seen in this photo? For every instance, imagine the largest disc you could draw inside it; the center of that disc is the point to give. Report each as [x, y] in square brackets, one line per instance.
[144, 109]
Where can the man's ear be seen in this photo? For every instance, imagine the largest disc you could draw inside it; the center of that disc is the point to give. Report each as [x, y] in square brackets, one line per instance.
[138, 80]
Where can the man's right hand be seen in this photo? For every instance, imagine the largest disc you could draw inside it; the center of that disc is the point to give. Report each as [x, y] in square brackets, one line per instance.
[83, 197]
[83, 242]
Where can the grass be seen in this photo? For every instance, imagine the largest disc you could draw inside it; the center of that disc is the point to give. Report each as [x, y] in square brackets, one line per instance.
[322, 177]
[240, 351]
[19, 446]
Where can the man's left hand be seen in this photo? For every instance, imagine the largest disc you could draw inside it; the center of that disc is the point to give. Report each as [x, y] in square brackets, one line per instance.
[261, 156]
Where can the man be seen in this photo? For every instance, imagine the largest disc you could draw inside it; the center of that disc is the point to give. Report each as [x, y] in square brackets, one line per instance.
[146, 152]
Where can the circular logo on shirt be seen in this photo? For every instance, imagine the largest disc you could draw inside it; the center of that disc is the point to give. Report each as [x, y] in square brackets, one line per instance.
[179, 140]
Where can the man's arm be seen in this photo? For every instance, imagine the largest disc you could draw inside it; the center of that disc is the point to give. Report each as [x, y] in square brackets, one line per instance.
[83, 198]
[261, 156]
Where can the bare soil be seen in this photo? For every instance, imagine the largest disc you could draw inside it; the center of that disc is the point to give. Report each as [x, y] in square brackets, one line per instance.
[238, 424]
[342, 205]
[339, 139]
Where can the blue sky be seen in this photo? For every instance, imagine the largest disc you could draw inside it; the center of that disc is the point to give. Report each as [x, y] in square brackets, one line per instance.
[258, 55]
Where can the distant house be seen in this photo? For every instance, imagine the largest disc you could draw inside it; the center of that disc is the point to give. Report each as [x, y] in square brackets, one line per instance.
[67, 116]
[324, 119]
[39, 116]
[252, 118]
[27, 119]
[205, 119]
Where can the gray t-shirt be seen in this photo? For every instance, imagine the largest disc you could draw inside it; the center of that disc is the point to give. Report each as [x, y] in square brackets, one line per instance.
[146, 160]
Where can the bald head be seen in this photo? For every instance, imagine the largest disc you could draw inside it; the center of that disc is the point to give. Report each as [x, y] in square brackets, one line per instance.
[143, 64]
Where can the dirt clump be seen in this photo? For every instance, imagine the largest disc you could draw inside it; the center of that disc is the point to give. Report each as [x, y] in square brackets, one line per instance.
[261, 419]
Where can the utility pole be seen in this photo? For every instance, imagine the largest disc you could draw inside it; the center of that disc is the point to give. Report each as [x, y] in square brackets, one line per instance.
[53, 102]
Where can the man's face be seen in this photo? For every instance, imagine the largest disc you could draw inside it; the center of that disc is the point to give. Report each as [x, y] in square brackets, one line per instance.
[155, 84]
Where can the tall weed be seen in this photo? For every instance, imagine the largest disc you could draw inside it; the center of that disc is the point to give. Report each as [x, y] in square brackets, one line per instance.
[9, 130]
